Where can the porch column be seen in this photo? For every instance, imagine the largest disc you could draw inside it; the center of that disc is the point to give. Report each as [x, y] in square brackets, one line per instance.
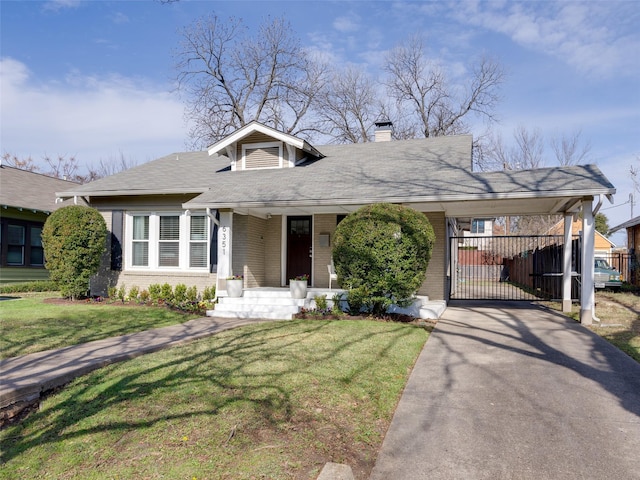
[224, 253]
[566, 264]
[588, 241]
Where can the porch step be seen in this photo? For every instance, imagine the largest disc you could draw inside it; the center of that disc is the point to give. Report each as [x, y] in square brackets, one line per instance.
[281, 313]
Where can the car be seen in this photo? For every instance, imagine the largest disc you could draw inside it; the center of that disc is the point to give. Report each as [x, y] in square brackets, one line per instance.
[606, 276]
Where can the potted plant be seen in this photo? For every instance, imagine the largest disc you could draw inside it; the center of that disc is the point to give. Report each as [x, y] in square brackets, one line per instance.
[234, 286]
[298, 286]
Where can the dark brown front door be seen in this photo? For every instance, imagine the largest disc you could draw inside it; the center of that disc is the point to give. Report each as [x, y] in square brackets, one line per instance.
[299, 236]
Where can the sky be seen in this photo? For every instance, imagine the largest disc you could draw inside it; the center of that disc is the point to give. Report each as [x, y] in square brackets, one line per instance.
[96, 79]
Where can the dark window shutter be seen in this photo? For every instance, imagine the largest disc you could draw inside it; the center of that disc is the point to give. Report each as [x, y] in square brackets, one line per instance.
[117, 228]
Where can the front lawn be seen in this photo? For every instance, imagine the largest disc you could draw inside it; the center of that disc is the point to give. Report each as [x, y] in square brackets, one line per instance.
[29, 324]
[272, 400]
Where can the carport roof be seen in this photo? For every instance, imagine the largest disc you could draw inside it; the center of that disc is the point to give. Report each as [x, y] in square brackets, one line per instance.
[431, 174]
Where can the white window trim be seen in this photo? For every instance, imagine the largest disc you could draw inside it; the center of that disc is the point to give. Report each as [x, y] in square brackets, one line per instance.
[154, 241]
[254, 146]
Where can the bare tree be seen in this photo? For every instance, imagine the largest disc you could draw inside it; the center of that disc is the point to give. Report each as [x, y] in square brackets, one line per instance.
[570, 150]
[435, 103]
[67, 167]
[229, 78]
[346, 108]
[526, 151]
[13, 160]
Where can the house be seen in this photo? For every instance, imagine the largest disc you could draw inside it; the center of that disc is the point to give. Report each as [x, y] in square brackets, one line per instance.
[633, 248]
[26, 200]
[603, 247]
[265, 204]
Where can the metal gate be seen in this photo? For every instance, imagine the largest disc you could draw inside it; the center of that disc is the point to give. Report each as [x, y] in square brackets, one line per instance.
[511, 267]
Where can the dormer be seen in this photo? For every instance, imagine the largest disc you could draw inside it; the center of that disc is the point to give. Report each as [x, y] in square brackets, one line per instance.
[256, 146]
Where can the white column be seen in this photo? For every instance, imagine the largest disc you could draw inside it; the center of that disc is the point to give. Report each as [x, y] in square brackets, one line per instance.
[587, 301]
[566, 264]
[224, 253]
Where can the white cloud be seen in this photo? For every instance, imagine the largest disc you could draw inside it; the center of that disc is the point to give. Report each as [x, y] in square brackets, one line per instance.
[90, 117]
[57, 5]
[596, 38]
[347, 23]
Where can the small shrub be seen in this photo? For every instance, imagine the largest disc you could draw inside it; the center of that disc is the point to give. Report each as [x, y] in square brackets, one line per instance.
[209, 293]
[166, 293]
[321, 302]
[122, 293]
[336, 308]
[112, 292]
[192, 294]
[155, 291]
[180, 293]
[144, 296]
[133, 293]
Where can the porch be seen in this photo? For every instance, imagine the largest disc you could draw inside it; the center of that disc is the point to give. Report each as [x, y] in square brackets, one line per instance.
[277, 303]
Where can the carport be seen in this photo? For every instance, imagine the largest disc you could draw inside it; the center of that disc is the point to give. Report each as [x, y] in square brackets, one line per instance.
[549, 191]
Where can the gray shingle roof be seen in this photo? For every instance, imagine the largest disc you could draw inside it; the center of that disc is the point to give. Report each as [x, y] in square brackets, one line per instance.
[30, 190]
[435, 169]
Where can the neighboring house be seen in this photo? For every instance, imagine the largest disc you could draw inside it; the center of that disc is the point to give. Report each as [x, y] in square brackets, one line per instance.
[633, 234]
[26, 200]
[603, 247]
[477, 231]
[265, 204]
[633, 248]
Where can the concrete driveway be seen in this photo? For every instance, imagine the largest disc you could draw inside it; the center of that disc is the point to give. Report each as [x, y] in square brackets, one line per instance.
[513, 391]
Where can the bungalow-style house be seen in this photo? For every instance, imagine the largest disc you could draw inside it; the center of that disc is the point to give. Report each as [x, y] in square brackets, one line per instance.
[26, 200]
[265, 204]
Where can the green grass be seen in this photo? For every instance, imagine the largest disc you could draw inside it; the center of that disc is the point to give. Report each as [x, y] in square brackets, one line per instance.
[30, 325]
[273, 400]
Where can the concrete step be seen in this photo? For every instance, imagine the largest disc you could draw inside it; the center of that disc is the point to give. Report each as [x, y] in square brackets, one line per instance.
[261, 300]
[274, 314]
[256, 307]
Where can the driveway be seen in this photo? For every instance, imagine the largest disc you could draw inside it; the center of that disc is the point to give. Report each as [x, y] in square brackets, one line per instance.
[513, 391]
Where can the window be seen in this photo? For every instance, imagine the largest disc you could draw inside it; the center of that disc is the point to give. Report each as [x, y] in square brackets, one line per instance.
[21, 243]
[198, 242]
[16, 243]
[477, 226]
[169, 247]
[140, 243]
[37, 251]
[167, 241]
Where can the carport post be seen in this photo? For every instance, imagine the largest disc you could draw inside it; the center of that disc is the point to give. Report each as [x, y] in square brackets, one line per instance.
[587, 297]
[566, 264]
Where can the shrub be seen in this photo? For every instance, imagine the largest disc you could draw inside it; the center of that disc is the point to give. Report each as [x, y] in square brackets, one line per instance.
[382, 252]
[155, 291]
[209, 293]
[122, 293]
[133, 293]
[192, 294]
[321, 302]
[336, 308]
[180, 293]
[35, 286]
[74, 239]
[112, 292]
[166, 293]
[144, 296]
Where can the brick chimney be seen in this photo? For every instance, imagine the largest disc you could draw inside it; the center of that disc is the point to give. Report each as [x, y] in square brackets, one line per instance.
[383, 130]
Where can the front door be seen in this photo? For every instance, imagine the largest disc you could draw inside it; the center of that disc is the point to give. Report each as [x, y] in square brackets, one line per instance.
[299, 246]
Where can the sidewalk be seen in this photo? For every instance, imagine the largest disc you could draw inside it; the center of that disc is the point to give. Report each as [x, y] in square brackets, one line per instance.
[25, 378]
[513, 391]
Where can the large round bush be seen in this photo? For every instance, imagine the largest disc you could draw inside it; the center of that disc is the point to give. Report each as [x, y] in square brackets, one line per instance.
[74, 239]
[382, 252]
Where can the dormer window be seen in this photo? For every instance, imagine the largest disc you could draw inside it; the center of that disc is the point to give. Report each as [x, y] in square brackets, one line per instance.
[262, 155]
